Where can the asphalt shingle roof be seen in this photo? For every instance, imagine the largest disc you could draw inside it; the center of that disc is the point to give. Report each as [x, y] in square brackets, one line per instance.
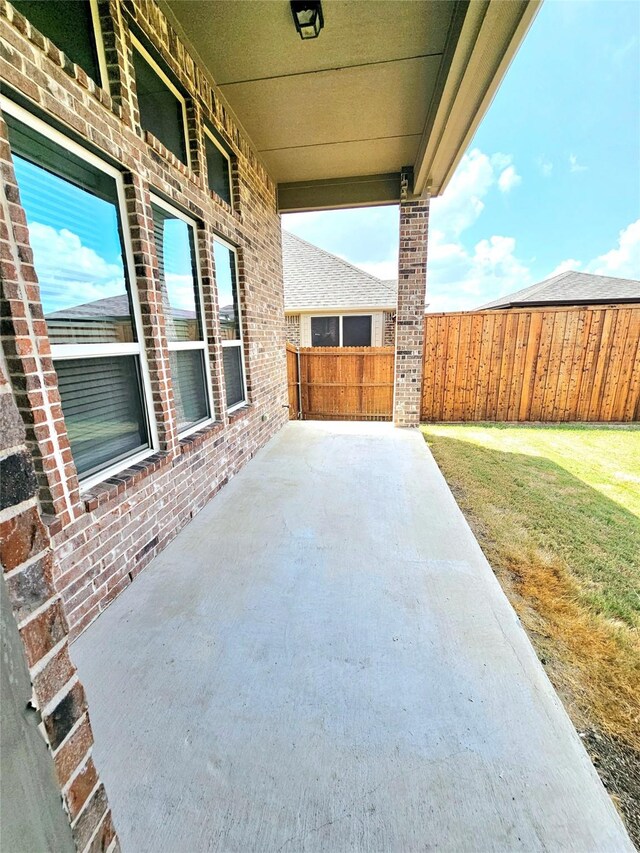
[314, 278]
[572, 288]
[110, 306]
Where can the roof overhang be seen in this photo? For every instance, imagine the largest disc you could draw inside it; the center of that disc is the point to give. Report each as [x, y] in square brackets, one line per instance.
[381, 106]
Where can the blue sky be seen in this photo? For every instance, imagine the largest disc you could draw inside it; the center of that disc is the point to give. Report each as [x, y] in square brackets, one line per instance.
[551, 180]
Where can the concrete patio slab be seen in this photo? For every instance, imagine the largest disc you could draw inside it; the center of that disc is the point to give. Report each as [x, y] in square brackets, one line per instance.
[323, 660]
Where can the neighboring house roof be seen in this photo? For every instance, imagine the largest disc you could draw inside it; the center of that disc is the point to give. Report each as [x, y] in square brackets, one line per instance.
[571, 288]
[110, 306]
[315, 279]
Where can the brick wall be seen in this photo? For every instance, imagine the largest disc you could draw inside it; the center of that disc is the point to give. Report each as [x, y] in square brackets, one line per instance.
[58, 699]
[103, 538]
[293, 329]
[389, 330]
[412, 283]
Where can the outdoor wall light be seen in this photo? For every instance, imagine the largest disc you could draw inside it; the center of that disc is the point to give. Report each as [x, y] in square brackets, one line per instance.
[308, 18]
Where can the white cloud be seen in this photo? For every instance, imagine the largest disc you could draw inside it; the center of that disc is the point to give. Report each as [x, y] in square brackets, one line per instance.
[565, 266]
[545, 166]
[181, 291]
[509, 179]
[624, 259]
[460, 278]
[382, 269]
[69, 272]
[574, 166]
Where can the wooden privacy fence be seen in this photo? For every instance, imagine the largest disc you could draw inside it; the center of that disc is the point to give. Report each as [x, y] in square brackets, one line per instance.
[538, 364]
[340, 383]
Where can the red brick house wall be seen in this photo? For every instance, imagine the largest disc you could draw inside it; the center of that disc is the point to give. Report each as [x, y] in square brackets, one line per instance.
[57, 697]
[104, 537]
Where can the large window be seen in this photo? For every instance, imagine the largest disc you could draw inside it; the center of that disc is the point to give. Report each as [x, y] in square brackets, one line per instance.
[72, 203]
[162, 106]
[218, 165]
[230, 324]
[179, 279]
[74, 27]
[346, 330]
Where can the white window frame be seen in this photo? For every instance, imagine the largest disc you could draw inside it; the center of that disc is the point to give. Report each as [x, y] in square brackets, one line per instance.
[203, 345]
[165, 79]
[236, 343]
[61, 352]
[227, 157]
[97, 36]
[340, 319]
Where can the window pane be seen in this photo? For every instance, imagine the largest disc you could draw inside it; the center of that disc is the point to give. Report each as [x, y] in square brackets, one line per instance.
[160, 111]
[69, 25]
[189, 387]
[356, 331]
[101, 401]
[74, 231]
[227, 292]
[325, 332]
[178, 279]
[217, 170]
[233, 379]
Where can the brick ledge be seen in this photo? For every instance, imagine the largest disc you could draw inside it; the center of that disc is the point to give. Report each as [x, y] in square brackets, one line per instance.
[114, 486]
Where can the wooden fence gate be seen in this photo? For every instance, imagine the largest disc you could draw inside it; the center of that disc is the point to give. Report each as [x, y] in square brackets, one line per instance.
[340, 383]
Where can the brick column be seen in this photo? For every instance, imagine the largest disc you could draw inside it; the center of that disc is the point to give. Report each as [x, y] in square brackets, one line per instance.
[412, 283]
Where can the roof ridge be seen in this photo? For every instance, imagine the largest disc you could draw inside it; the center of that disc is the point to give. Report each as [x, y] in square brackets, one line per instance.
[569, 285]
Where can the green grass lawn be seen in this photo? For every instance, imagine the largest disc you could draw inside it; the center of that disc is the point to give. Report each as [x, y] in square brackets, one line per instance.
[570, 490]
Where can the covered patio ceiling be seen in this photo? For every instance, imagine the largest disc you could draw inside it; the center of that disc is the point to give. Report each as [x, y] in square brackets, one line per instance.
[388, 87]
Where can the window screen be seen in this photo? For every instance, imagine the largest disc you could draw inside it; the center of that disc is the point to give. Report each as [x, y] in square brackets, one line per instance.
[178, 280]
[218, 169]
[72, 212]
[325, 332]
[356, 331]
[101, 401]
[77, 247]
[188, 380]
[233, 379]
[175, 249]
[160, 109]
[230, 325]
[69, 25]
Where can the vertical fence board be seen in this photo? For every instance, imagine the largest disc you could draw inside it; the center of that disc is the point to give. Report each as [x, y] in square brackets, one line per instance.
[538, 364]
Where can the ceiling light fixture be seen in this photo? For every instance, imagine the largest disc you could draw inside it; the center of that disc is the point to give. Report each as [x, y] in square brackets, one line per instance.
[308, 18]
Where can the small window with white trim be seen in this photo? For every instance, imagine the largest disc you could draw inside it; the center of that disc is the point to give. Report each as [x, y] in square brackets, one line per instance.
[218, 165]
[230, 323]
[73, 204]
[74, 27]
[175, 238]
[162, 106]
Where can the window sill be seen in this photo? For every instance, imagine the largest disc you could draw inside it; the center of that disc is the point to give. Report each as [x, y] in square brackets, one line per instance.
[164, 152]
[110, 488]
[195, 439]
[239, 413]
[221, 202]
[76, 72]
